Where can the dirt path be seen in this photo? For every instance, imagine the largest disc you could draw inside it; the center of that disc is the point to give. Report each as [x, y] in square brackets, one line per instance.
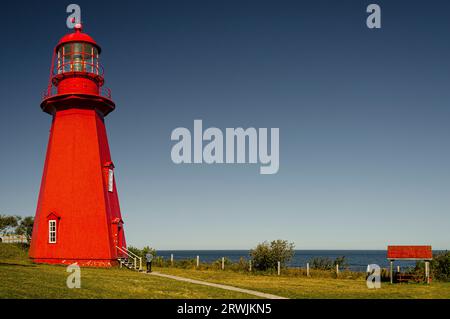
[205, 283]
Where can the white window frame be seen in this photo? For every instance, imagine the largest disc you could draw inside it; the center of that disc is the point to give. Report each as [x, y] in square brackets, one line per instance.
[52, 231]
[110, 180]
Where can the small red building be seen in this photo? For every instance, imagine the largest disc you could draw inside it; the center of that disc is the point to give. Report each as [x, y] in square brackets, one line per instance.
[78, 217]
[418, 253]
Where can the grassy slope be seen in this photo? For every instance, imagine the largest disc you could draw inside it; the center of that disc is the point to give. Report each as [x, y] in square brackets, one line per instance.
[302, 287]
[21, 279]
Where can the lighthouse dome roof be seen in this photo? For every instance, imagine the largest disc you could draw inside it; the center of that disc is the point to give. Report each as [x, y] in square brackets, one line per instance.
[77, 36]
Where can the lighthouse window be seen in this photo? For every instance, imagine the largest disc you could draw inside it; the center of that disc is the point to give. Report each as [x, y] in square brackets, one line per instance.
[52, 231]
[110, 180]
[67, 56]
[95, 61]
[77, 57]
[89, 57]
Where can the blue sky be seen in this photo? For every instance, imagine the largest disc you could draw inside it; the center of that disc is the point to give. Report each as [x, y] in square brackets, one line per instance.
[363, 117]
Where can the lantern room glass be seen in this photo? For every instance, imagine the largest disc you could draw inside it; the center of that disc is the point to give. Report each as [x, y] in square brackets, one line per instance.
[77, 57]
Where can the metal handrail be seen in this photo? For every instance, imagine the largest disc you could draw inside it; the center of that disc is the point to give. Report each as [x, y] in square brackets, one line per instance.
[136, 256]
[132, 256]
[123, 251]
[52, 91]
[128, 255]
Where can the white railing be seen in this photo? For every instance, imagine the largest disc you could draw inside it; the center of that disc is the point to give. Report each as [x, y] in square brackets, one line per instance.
[131, 256]
[135, 256]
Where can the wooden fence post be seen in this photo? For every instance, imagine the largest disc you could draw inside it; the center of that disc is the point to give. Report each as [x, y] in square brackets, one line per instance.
[279, 268]
[223, 263]
[307, 269]
[337, 269]
[250, 265]
[171, 259]
[198, 261]
[391, 271]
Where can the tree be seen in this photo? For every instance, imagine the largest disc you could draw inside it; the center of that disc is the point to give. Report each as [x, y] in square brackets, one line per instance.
[267, 255]
[25, 227]
[7, 223]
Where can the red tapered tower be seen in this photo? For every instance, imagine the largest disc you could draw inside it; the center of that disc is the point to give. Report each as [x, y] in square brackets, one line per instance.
[78, 216]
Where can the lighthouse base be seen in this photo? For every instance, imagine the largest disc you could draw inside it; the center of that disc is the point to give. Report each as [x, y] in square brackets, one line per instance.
[78, 216]
[98, 263]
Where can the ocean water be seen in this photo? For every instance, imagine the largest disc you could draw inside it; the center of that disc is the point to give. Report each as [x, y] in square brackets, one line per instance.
[357, 260]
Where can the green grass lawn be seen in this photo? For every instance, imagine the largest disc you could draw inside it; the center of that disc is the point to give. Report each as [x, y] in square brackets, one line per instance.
[304, 287]
[22, 279]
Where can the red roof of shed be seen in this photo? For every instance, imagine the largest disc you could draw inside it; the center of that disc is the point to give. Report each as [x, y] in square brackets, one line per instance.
[409, 252]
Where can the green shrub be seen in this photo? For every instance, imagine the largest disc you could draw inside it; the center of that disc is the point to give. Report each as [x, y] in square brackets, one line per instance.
[242, 265]
[266, 256]
[321, 263]
[325, 263]
[439, 267]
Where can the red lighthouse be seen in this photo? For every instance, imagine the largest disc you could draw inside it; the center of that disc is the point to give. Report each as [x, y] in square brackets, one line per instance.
[78, 216]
